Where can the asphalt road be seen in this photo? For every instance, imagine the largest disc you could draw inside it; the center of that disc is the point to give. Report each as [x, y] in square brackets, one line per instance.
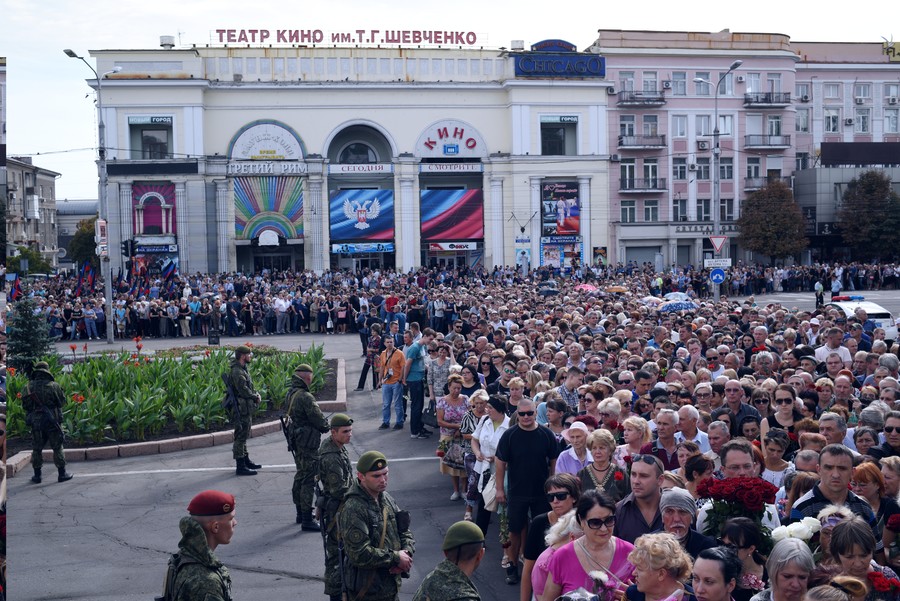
[107, 534]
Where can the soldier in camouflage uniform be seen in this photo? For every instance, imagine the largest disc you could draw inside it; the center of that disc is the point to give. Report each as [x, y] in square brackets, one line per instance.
[246, 402]
[336, 476]
[451, 580]
[43, 400]
[377, 542]
[199, 575]
[307, 426]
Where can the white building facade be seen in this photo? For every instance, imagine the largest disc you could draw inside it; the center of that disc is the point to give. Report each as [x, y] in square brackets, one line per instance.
[238, 159]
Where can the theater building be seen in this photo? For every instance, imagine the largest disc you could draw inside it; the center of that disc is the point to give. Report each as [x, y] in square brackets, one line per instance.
[238, 159]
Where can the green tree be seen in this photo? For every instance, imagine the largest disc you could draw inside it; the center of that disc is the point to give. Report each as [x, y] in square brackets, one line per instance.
[36, 263]
[869, 215]
[82, 247]
[29, 336]
[771, 222]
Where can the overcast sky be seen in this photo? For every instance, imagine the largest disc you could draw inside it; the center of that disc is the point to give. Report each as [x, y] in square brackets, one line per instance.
[51, 112]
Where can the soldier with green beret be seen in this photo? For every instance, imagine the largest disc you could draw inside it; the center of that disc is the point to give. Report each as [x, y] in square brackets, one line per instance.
[336, 478]
[451, 580]
[377, 542]
[245, 403]
[43, 400]
[306, 426]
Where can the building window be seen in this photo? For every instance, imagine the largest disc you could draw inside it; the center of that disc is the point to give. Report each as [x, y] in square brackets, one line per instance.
[155, 143]
[862, 121]
[726, 168]
[679, 169]
[558, 139]
[626, 81]
[892, 90]
[802, 122]
[702, 122]
[802, 160]
[832, 121]
[626, 125]
[726, 86]
[831, 90]
[702, 88]
[726, 209]
[679, 126]
[801, 90]
[679, 83]
[650, 81]
[358, 153]
[629, 212]
[862, 90]
[703, 209]
[753, 83]
[627, 171]
[753, 168]
[890, 121]
[651, 173]
[726, 125]
[651, 210]
[773, 123]
[651, 125]
[679, 209]
[773, 82]
[703, 168]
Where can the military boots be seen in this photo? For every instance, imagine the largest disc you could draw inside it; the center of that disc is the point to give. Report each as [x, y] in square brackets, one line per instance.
[242, 468]
[250, 464]
[307, 522]
[64, 476]
[36, 478]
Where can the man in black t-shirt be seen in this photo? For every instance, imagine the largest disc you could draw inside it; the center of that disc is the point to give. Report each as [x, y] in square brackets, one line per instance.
[527, 452]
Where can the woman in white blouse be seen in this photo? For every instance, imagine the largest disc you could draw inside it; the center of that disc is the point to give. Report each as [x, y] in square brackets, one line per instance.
[484, 441]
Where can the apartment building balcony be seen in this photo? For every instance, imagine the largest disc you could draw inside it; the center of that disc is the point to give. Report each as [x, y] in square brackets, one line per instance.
[768, 99]
[631, 185]
[642, 142]
[766, 141]
[755, 183]
[645, 98]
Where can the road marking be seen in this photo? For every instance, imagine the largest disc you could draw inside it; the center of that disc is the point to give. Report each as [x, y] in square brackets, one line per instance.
[187, 470]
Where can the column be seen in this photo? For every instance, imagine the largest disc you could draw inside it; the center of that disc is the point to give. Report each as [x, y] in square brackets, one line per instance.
[181, 235]
[409, 231]
[125, 202]
[673, 251]
[498, 229]
[535, 221]
[315, 238]
[225, 226]
[584, 199]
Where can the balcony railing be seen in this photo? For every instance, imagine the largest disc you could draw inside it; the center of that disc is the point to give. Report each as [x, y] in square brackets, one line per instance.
[631, 184]
[755, 183]
[645, 98]
[642, 141]
[764, 141]
[771, 99]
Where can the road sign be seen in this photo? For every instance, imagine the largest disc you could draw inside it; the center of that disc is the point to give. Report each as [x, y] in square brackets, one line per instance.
[718, 242]
[717, 263]
[717, 275]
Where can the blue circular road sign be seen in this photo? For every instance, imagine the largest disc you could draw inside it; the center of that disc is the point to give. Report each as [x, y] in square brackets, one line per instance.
[717, 276]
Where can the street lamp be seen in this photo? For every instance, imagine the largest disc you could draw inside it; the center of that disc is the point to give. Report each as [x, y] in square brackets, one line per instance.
[716, 199]
[104, 203]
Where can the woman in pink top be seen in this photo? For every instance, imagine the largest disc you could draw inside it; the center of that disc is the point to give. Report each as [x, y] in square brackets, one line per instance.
[597, 551]
[565, 530]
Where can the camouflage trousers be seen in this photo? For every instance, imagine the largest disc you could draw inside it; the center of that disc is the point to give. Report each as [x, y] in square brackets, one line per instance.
[307, 462]
[332, 564]
[40, 439]
[241, 434]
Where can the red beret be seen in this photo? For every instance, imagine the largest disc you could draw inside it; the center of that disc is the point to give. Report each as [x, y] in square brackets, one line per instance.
[211, 502]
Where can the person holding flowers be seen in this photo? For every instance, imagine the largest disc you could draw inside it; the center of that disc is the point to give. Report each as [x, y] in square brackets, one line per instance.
[852, 546]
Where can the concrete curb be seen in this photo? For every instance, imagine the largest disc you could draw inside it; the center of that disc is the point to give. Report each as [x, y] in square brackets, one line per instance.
[22, 459]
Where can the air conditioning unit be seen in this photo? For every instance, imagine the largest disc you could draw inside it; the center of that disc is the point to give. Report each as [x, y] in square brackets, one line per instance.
[848, 121]
[891, 100]
[64, 231]
[692, 167]
[15, 185]
[741, 79]
[804, 98]
[611, 91]
[859, 100]
[702, 145]
[614, 158]
[667, 85]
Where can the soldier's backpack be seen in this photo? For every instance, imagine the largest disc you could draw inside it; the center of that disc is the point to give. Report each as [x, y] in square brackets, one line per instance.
[176, 562]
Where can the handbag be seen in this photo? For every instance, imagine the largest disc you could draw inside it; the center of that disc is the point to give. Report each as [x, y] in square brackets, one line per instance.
[429, 415]
[329, 324]
[454, 456]
[489, 494]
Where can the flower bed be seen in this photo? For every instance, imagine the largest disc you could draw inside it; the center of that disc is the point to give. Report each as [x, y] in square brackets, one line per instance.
[130, 397]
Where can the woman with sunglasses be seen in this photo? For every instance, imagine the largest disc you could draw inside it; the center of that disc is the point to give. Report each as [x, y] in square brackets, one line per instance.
[470, 381]
[597, 550]
[661, 566]
[785, 414]
[486, 369]
[562, 494]
[761, 400]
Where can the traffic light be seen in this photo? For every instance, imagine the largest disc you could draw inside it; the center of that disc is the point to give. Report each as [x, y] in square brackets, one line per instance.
[126, 248]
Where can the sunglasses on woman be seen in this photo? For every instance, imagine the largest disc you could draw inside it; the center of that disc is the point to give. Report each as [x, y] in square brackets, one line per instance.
[597, 523]
[557, 496]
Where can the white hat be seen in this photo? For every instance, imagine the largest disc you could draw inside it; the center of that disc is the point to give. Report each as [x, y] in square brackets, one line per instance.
[575, 426]
[814, 321]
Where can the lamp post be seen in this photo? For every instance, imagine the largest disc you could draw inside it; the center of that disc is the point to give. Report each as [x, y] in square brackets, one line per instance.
[716, 199]
[106, 269]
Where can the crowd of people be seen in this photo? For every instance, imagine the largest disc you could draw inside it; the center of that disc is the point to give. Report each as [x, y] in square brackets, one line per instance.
[587, 421]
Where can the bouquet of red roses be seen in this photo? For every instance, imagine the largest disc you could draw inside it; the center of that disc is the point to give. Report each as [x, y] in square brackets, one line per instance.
[736, 497]
[883, 584]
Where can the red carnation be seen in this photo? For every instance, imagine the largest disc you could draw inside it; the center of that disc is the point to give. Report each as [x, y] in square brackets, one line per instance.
[619, 476]
[627, 459]
[793, 436]
[614, 425]
[879, 582]
[893, 524]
